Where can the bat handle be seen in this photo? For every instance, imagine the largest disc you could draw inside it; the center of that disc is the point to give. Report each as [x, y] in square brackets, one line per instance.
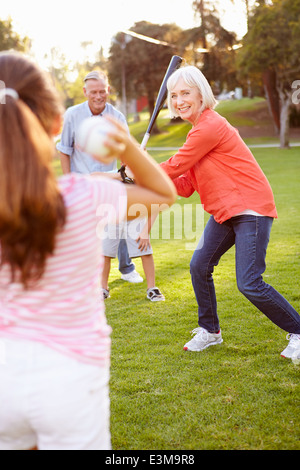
[145, 140]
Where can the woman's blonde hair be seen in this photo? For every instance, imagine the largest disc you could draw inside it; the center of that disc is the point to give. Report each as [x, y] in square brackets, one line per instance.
[32, 210]
[193, 77]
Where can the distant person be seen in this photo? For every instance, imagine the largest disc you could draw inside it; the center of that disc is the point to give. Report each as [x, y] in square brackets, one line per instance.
[215, 162]
[54, 337]
[96, 90]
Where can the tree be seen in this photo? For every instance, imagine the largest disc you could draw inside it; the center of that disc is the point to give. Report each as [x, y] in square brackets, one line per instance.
[218, 63]
[141, 63]
[271, 47]
[9, 39]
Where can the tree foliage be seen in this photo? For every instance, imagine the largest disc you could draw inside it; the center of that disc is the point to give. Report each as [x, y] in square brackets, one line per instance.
[219, 63]
[9, 39]
[142, 63]
[271, 48]
[273, 38]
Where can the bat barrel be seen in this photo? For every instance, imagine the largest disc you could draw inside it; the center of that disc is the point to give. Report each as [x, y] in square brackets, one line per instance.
[162, 95]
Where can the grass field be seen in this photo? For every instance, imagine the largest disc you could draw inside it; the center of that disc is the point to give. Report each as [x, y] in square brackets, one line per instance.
[240, 395]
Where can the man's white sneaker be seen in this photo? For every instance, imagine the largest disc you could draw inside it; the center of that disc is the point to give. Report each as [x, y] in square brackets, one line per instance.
[293, 348]
[133, 277]
[202, 340]
[296, 357]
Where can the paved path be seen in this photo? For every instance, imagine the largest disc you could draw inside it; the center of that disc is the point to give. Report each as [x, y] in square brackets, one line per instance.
[273, 145]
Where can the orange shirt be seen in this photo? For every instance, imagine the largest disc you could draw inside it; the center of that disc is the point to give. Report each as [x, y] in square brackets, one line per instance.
[215, 162]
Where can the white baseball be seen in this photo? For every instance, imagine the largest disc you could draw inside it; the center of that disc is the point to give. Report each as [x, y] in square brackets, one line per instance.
[91, 137]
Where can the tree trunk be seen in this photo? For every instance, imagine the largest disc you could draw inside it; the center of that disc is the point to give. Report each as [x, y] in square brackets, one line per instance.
[269, 81]
[202, 31]
[285, 95]
[151, 105]
[285, 101]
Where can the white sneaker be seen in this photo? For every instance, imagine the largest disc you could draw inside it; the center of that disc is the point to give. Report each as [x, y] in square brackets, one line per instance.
[202, 340]
[105, 293]
[293, 348]
[154, 294]
[296, 357]
[133, 277]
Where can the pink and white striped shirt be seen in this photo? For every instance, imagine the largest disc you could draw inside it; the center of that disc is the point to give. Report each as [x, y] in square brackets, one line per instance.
[65, 309]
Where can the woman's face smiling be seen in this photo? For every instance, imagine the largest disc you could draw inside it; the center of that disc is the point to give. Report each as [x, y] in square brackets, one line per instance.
[186, 101]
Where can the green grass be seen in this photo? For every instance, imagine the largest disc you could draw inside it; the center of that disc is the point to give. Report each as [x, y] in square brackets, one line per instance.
[240, 395]
[241, 112]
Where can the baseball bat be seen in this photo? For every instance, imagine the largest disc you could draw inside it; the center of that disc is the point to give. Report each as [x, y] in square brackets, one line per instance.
[174, 64]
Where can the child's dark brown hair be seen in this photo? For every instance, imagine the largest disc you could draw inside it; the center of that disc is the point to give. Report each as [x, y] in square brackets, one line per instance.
[31, 207]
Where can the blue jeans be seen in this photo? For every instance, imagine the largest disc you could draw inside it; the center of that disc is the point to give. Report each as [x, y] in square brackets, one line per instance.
[250, 235]
[126, 266]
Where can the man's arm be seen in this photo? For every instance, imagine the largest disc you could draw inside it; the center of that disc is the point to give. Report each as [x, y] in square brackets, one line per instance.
[65, 145]
[65, 163]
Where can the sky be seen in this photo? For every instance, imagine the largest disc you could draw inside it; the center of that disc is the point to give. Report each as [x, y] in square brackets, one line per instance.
[65, 24]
